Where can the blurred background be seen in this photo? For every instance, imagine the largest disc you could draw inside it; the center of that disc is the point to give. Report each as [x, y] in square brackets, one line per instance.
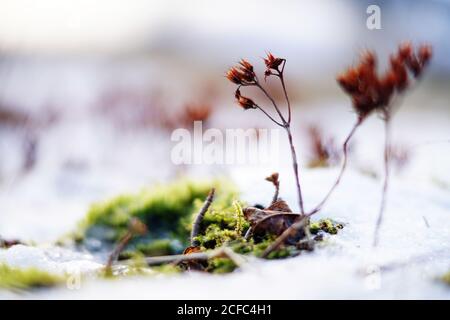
[91, 91]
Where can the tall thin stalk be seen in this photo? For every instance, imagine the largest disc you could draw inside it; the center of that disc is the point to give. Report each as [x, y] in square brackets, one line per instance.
[243, 76]
[343, 167]
[386, 181]
[286, 125]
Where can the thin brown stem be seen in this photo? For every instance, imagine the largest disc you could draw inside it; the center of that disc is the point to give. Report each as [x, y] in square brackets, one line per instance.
[343, 167]
[386, 180]
[285, 95]
[291, 143]
[275, 195]
[295, 167]
[273, 102]
[269, 116]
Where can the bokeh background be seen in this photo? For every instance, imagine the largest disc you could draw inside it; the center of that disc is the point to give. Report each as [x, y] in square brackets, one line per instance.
[90, 91]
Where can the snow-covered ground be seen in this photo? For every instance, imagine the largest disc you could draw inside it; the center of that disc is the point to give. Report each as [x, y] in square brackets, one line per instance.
[98, 162]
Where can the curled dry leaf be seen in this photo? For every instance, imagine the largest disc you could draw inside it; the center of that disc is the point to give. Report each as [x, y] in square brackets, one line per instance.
[273, 220]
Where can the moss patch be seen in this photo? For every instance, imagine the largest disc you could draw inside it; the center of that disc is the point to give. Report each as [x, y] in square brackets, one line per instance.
[223, 223]
[20, 279]
[325, 225]
[167, 210]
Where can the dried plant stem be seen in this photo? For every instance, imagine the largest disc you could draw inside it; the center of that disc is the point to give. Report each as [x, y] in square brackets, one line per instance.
[275, 195]
[283, 85]
[118, 249]
[386, 180]
[197, 256]
[273, 102]
[286, 125]
[295, 167]
[198, 220]
[269, 116]
[343, 167]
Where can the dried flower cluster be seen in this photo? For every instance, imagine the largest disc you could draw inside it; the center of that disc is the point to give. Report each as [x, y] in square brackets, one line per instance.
[273, 64]
[371, 92]
[244, 75]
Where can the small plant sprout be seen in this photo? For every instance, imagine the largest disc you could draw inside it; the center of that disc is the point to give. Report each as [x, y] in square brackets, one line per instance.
[244, 75]
[371, 93]
[273, 178]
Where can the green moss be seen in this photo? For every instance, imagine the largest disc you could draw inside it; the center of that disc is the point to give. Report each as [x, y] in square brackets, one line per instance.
[223, 222]
[167, 210]
[241, 246]
[325, 225]
[221, 265]
[158, 247]
[30, 278]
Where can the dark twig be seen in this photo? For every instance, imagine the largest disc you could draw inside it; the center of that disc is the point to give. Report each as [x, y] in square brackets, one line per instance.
[198, 220]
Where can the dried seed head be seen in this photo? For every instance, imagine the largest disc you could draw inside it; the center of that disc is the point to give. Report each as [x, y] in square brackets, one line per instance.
[244, 102]
[234, 76]
[243, 74]
[267, 73]
[425, 53]
[245, 66]
[137, 227]
[370, 92]
[405, 50]
[272, 62]
[398, 67]
[273, 178]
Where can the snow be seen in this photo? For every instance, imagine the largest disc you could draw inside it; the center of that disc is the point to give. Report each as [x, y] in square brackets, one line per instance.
[406, 264]
[51, 259]
[45, 204]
